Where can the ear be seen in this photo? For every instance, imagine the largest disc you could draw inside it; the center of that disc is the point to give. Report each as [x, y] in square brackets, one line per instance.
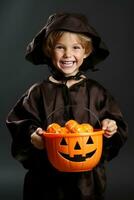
[88, 53]
[85, 56]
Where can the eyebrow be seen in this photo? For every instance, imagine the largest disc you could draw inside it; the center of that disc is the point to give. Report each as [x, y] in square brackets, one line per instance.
[58, 43]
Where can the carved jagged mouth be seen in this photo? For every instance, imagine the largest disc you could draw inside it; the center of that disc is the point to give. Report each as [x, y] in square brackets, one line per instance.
[78, 158]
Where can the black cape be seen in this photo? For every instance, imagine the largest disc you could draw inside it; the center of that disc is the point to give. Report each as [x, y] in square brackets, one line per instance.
[49, 102]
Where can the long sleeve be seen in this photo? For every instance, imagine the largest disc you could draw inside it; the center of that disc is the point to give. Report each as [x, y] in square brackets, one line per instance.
[104, 105]
[111, 110]
[23, 120]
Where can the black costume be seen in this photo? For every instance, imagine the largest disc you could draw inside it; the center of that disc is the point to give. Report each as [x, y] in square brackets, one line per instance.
[42, 181]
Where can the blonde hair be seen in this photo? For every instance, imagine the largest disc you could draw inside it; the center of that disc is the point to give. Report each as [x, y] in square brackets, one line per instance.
[54, 36]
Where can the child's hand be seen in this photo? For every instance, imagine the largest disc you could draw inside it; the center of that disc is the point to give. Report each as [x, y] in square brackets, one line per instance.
[110, 127]
[36, 139]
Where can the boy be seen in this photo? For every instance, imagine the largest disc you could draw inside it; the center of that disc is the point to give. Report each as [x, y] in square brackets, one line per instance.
[69, 46]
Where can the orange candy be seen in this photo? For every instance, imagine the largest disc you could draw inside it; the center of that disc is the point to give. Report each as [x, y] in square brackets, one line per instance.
[87, 127]
[63, 130]
[53, 128]
[80, 128]
[71, 126]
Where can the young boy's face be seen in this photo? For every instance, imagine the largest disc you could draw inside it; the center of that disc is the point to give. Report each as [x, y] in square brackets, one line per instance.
[68, 54]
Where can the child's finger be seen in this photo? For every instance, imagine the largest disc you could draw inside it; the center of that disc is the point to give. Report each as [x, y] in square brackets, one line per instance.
[105, 124]
[39, 131]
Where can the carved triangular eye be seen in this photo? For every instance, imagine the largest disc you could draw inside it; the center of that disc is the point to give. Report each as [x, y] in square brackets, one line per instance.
[77, 146]
[90, 141]
[63, 142]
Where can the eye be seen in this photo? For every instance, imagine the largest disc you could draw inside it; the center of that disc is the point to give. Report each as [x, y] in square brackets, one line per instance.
[90, 141]
[76, 47]
[59, 47]
[63, 142]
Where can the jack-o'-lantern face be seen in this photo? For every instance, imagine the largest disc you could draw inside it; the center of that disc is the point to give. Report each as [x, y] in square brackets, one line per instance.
[77, 153]
[74, 153]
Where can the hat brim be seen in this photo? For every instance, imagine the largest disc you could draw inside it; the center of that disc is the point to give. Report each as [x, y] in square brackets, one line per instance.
[35, 54]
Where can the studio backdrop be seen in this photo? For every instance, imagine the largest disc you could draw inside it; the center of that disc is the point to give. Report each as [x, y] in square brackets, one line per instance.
[19, 22]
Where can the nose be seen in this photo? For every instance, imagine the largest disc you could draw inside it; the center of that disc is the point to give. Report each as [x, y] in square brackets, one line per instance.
[67, 53]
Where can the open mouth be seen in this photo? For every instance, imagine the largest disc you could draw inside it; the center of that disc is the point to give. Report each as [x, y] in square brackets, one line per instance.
[67, 63]
[78, 158]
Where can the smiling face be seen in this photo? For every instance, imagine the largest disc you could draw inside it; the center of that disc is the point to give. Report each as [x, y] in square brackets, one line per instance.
[68, 52]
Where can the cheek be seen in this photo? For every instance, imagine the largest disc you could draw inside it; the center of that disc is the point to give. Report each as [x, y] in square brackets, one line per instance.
[55, 58]
[80, 60]
[81, 56]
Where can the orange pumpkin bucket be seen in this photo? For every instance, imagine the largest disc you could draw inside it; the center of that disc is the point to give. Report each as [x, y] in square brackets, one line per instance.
[74, 147]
